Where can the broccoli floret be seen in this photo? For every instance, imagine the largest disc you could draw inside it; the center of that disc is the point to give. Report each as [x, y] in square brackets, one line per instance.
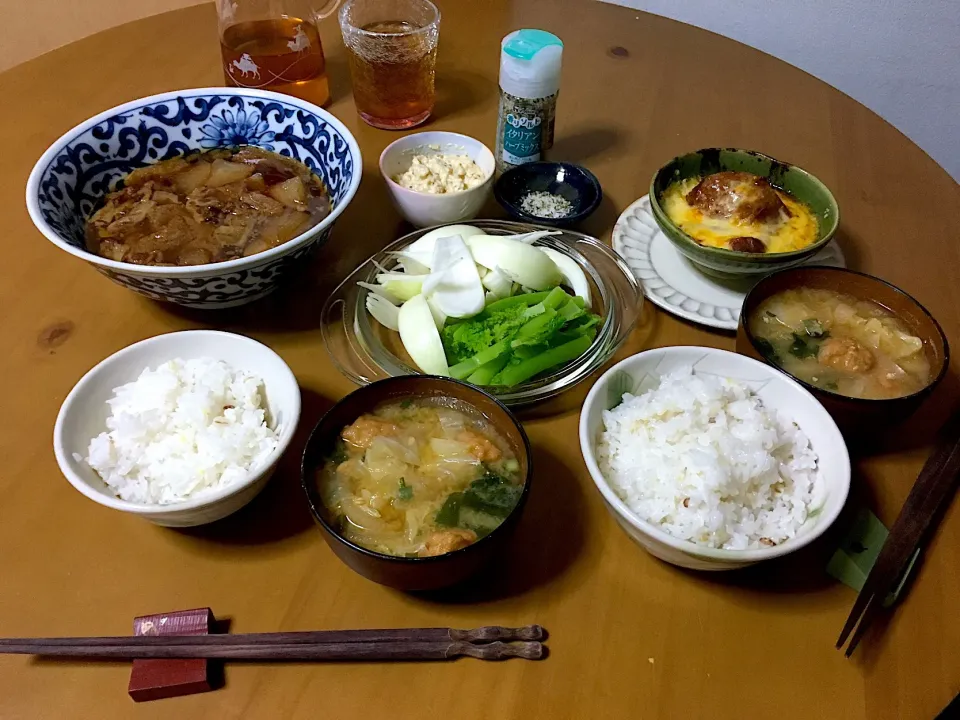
[465, 339]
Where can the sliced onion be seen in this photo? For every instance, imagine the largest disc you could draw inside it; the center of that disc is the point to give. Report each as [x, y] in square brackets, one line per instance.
[392, 448]
[524, 264]
[575, 278]
[498, 283]
[412, 267]
[401, 285]
[420, 336]
[454, 285]
[531, 237]
[383, 311]
[421, 250]
[451, 450]
[381, 291]
[439, 317]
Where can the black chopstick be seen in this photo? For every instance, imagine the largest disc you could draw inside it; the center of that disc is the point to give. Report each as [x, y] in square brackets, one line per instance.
[925, 504]
[951, 711]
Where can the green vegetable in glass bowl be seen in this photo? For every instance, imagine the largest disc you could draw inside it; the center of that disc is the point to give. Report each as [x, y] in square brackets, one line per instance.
[519, 337]
[521, 311]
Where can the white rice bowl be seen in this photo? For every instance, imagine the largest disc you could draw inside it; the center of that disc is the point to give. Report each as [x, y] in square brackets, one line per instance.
[701, 458]
[185, 430]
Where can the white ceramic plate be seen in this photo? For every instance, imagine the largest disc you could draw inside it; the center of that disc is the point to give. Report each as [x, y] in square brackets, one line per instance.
[672, 282]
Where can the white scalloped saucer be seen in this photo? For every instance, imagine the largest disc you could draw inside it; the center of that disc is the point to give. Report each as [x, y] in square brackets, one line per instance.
[673, 283]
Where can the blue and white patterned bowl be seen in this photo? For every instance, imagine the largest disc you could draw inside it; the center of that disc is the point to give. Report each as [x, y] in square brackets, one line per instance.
[89, 160]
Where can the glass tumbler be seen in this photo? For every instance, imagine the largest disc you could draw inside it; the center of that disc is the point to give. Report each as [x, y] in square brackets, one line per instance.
[274, 45]
[392, 50]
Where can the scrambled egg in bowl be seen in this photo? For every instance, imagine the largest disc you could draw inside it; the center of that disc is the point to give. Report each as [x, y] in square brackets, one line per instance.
[740, 211]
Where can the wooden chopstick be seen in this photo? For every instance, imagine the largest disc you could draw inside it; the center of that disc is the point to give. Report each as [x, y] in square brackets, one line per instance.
[484, 643]
[927, 500]
[490, 633]
[322, 651]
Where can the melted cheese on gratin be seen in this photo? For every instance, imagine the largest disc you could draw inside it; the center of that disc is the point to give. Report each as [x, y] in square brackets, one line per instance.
[782, 234]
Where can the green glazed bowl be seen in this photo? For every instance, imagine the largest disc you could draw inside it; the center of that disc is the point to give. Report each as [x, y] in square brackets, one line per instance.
[731, 263]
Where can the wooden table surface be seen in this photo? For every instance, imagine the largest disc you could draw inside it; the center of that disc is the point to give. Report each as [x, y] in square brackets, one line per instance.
[630, 636]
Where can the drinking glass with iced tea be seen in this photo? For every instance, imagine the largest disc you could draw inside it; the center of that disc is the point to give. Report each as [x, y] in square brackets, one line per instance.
[392, 49]
[274, 45]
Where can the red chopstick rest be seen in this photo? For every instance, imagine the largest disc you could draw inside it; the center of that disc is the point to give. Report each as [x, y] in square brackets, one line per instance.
[157, 679]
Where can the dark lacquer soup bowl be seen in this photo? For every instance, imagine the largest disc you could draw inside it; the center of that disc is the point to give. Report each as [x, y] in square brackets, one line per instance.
[414, 573]
[72, 177]
[855, 416]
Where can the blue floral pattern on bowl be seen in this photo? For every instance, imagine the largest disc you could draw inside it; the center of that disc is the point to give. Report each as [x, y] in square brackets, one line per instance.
[91, 160]
[240, 129]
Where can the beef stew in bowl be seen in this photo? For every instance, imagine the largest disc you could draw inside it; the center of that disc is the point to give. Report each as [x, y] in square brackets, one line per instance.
[207, 207]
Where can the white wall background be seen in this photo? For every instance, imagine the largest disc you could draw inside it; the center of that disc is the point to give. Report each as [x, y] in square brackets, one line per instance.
[900, 58]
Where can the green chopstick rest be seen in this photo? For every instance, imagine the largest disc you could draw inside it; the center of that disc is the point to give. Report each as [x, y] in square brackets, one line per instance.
[858, 551]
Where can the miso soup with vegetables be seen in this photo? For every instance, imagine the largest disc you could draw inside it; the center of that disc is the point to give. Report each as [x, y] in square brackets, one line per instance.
[420, 477]
[839, 343]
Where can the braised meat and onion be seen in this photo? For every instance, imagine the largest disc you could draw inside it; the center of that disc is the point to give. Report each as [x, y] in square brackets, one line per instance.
[207, 207]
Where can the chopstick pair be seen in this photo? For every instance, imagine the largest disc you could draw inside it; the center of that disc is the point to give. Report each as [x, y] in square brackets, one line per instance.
[484, 643]
[928, 499]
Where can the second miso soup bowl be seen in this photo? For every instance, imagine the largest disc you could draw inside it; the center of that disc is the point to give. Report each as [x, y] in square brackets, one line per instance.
[414, 573]
[857, 417]
[85, 163]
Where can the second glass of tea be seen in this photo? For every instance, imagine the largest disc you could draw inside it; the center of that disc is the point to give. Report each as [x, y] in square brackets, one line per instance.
[274, 45]
[392, 49]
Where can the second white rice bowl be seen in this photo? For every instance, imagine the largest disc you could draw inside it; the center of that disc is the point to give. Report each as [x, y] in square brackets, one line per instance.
[701, 458]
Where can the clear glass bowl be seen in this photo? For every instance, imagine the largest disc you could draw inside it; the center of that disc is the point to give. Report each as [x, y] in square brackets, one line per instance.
[365, 351]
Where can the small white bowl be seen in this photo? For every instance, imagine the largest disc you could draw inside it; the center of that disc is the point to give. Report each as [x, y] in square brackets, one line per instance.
[426, 209]
[641, 372]
[84, 413]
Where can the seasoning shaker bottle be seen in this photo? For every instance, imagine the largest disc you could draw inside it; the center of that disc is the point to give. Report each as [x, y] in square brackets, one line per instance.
[529, 84]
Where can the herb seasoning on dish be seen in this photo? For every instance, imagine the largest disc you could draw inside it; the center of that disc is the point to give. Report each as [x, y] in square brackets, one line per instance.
[529, 85]
[546, 205]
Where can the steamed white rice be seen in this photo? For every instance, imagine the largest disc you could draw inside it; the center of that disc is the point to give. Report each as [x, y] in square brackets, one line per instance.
[184, 430]
[702, 458]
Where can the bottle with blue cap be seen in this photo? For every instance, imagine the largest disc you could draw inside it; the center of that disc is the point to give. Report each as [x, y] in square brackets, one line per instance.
[529, 84]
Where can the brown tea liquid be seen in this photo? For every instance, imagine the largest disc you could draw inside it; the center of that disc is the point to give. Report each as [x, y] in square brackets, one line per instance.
[393, 73]
[283, 55]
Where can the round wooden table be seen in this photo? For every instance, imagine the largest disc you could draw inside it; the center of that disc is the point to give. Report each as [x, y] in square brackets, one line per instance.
[630, 636]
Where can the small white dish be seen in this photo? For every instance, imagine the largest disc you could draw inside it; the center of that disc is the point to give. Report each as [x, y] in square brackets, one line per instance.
[84, 413]
[427, 209]
[673, 283]
[642, 372]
